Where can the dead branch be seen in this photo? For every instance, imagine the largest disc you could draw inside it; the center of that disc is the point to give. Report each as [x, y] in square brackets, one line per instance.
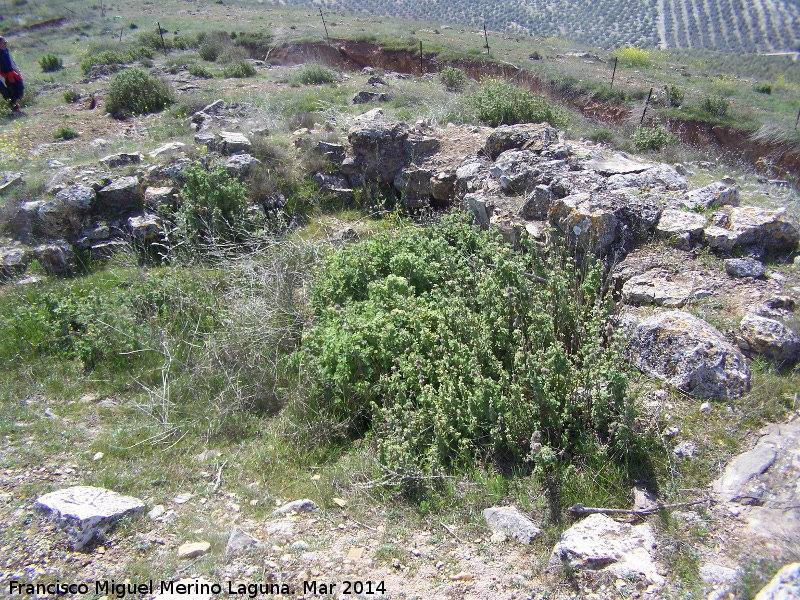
[580, 509]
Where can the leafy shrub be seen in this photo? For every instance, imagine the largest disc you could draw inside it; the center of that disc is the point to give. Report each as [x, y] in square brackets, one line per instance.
[71, 96]
[715, 105]
[674, 95]
[213, 206]
[314, 74]
[65, 133]
[437, 343]
[601, 136]
[200, 71]
[633, 57]
[210, 50]
[657, 137]
[503, 103]
[50, 63]
[239, 70]
[453, 79]
[233, 54]
[763, 89]
[137, 92]
[147, 63]
[535, 55]
[152, 40]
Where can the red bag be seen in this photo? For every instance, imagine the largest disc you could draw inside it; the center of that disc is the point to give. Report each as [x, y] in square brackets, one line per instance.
[12, 77]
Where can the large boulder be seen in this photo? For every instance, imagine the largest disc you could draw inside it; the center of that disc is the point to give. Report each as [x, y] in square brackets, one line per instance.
[588, 222]
[538, 203]
[85, 512]
[57, 258]
[232, 142]
[147, 228]
[714, 194]
[771, 338]
[379, 150]
[516, 170]
[533, 136]
[683, 228]
[240, 165]
[63, 215]
[690, 355]
[121, 196]
[14, 260]
[414, 183]
[599, 543]
[769, 229]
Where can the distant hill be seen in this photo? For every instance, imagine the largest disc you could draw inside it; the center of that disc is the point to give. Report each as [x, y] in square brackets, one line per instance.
[723, 25]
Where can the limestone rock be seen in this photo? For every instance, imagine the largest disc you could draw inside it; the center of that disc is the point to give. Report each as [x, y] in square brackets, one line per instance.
[83, 512]
[534, 136]
[57, 258]
[239, 540]
[333, 152]
[13, 261]
[193, 549]
[744, 267]
[414, 183]
[480, 206]
[784, 586]
[231, 142]
[586, 221]
[443, 186]
[760, 335]
[516, 170]
[123, 195]
[147, 228]
[602, 544]
[661, 176]
[715, 194]
[168, 148]
[160, 197]
[690, 355]
[304, 505]
[655, 287]
[769, 229]
[240, 165]
[365, 97]
[720, 239]
[538, 203]
[509, 521]
[618, 164]
[684, 227]
[379, 150]
[119, 160]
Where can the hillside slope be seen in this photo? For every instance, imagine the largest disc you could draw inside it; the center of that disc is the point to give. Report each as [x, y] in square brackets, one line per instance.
[735, 25]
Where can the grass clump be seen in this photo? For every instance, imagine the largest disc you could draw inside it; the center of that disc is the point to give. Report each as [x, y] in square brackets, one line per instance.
[200, 71]
[50, 63]
[314, 74]
[453, 79]
[633, 57]
[65, 132]
[136, 91]
[106, 57]
[436, 345]
[239, 70]
[656, 137]
[764, 88]
[503, 103]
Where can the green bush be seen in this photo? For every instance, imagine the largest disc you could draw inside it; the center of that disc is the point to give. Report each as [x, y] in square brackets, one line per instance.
[210, 50]
[439, 345]
[674, 95]
[137, 92]
[314, 74]
[106, 57]
[502, 103]
[213, 206]
[65, 133]
[633, 57]
[656, 137]
[715, 105]
[200, 71]
[71, 96]
[453, 79]
[50, 63]
[239, 70]
[763, 89]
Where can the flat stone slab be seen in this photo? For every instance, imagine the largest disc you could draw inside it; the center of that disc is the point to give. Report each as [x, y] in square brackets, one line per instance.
[618, 164]
[304, 505]
[84, 512]
[655, 287]
[509, 521]
[193, 549]
[599, 543]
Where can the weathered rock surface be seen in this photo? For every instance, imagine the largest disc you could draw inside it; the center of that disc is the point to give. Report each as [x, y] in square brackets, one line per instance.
[85, 512]
[512, 523]
[14, 261]
[690, 355]
[685, 228]
[240, 165]
[123, 195]
[784, 586]
[599, 543]
[239, 540]
[378, 149]
[365, 97]
[147, 228]
[119, 160]
[656, 287]
[304, 505]
[762, 483]
[618, 164]
[768, 229]
[744, 267]
[193, 549]
[715, 194]
[57, 258]
[760, 335]
[231, 142]
[523, 136]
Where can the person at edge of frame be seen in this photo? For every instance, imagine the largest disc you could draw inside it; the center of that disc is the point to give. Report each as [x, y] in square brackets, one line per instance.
[14, 88]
